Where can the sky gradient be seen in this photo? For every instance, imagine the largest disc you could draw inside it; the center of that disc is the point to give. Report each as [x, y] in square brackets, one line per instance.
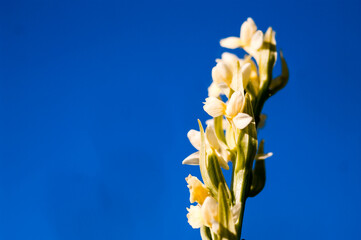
[96, 99]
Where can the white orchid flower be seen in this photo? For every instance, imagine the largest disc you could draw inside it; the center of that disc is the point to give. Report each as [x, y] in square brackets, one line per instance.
[212, 146]
[203, 215]
[222, 73]
[250, 39]
[229, 71]
[232, 110]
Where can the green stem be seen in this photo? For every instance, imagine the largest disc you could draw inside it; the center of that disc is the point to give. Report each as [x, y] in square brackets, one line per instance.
[244, 186]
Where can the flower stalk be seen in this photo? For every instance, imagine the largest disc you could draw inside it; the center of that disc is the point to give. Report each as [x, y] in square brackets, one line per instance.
[231, 136]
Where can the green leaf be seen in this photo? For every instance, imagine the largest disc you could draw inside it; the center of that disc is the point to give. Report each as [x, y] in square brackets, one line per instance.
[246, 151]
[281, 81]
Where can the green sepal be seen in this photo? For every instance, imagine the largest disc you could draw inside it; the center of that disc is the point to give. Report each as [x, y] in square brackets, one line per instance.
[203, 164]
[247, 140]
[258, 174]
[258, 178]
[246, 151]
[215, 172]
[281, 81]
[227, 228]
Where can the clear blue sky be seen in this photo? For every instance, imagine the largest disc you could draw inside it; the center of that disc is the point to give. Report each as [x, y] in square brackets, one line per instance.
[96, 98]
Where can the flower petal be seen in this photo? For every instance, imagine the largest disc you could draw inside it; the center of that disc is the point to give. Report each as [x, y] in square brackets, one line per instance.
[248, 28]
[246, 74]
[263, 156]
[230, 60]
[221, 73]
[192, 159]
[224, 88]
[241, 76]
[209, 211]
[231, 42]
[214, 90]
[212, 138]
[198, 191]
[235, 104]
[194, 137]
[242, 120]
[195, 216]
[257, 40]
[214, 107]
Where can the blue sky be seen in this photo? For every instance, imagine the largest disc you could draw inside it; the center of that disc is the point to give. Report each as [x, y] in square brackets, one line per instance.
[96, 99]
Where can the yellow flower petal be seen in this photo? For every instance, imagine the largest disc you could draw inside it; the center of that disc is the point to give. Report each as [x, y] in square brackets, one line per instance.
[198, 192]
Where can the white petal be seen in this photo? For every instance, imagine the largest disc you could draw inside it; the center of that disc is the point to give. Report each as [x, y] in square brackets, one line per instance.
[264, 156]
[246, 74]
[214, 90]
[231, 42]
[241, 76]
[248, 28]
[195, 216]
[212, 138]
[210, 122]
[224, 88]
[209, 211]
[242, 120]
[230, 60]
[194, 137]
[257, 40]
[235, 104]
[192, 159]
[221, 73]
[216, 228]
[214, 107]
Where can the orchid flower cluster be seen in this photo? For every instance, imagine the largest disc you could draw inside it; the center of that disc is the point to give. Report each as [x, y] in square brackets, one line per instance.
[237, 94]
